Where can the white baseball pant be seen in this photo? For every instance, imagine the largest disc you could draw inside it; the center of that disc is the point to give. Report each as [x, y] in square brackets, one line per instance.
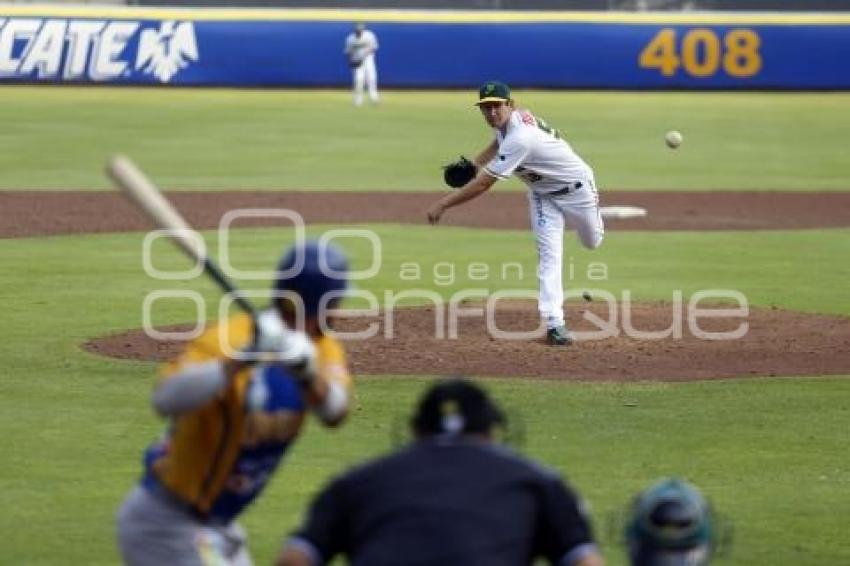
[153, 532]
[366, 77]
[550, 216]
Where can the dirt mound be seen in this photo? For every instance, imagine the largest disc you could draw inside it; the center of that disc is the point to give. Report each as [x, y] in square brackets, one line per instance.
[413, 341]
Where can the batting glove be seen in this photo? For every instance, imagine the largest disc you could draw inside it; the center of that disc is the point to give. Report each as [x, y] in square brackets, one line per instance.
[275, 343]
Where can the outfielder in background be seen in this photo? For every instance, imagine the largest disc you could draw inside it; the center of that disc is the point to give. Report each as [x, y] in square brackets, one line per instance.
[454, 496]
[360, 48]
[562, 191]
[237, 398]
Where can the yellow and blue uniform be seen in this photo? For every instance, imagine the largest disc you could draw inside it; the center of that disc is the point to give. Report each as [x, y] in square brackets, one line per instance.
[218, 458]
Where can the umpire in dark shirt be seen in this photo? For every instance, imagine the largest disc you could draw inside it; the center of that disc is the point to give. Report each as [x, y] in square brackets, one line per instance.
[452, 497]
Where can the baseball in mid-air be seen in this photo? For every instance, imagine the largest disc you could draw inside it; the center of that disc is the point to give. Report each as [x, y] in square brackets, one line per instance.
[673, 139]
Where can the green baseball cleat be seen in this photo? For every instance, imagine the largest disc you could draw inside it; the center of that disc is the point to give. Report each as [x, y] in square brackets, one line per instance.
[558, 336]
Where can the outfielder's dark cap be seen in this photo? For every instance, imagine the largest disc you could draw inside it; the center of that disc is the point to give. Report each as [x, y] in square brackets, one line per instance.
[456, 406]
[493, 91]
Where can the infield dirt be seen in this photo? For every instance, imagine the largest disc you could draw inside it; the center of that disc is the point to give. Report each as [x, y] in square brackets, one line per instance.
[32, 214]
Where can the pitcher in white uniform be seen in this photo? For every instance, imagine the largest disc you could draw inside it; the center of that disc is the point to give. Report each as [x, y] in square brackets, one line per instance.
[360, 48]
[562, 192]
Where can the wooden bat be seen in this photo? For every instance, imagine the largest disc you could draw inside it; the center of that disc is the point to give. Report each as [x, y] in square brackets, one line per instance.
[144, 194]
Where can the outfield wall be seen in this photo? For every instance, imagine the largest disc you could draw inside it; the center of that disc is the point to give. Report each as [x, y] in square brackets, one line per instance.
[425, 49]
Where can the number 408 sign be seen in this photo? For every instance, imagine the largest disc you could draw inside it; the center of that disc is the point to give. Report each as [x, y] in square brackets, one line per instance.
[702, 52]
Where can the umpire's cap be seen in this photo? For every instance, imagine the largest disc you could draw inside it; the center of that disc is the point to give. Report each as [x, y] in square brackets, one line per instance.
[456, 406]
[312, 269]
[670, 524]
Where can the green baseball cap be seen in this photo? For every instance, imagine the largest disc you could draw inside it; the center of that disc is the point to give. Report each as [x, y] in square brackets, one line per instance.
[493, 91]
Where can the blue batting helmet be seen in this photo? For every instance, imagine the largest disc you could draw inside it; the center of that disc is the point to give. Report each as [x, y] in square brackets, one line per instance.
[312, 269]
[670, 524]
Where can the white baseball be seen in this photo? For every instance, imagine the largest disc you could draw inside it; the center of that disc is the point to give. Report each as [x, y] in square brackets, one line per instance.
[673, 139]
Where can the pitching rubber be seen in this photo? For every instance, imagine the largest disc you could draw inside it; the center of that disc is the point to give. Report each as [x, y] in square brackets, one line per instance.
[622, 212]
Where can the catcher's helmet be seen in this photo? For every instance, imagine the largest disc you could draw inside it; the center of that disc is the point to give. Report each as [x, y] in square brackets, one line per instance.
[312, 269]
[456, 406]
[670, 524]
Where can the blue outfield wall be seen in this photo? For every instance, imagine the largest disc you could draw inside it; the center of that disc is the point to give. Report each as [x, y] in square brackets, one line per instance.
[425, 49]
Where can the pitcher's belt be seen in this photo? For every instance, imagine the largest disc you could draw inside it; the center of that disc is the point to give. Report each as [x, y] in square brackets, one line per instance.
[568, 188]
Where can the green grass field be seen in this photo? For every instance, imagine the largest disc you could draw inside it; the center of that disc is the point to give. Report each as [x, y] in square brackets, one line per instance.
[770, 453]
[221, 139]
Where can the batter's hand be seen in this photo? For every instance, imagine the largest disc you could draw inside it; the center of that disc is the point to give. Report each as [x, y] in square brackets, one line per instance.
[435, 212]
[275, 343]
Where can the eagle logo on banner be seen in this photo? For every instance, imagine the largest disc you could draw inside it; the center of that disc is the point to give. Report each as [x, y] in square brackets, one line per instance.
[165, 52]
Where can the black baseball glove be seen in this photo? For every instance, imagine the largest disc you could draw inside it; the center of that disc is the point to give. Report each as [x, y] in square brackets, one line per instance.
[460, 172]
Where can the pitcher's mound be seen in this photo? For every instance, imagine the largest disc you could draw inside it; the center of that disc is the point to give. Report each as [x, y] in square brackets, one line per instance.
[413, 341]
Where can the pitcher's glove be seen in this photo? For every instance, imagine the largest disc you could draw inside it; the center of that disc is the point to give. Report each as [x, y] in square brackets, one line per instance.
[460, 172]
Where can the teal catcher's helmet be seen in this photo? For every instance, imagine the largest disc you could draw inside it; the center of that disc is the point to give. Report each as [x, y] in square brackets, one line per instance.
[670, 524]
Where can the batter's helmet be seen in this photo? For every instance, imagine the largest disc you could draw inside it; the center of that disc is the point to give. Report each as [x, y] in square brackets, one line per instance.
[456, 406]
[312, 269]
[670, 524]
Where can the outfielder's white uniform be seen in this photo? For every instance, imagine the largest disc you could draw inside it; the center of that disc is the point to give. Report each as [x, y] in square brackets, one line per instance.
[562, 194]
[361, 49]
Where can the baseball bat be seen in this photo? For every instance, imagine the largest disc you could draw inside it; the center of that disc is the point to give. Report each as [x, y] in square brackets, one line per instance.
[144, 194]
